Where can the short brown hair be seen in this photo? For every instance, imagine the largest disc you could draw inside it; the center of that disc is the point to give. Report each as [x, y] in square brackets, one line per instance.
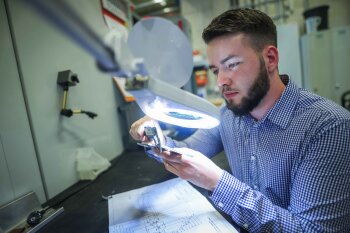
[256, 25]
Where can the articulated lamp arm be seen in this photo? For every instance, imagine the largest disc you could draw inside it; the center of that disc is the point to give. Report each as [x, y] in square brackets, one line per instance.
[158, 99]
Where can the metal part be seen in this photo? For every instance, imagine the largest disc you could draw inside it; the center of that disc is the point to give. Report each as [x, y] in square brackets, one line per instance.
[152, 135]
[64, 103]
[48, 217]
[164, 148]
[13, 213]
[67, 79]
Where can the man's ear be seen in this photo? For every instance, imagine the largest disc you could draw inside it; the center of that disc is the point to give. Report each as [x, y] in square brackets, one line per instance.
[271, 58]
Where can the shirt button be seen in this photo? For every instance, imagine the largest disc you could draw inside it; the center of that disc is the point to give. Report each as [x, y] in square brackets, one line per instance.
[245, 225]
[252, 157]
[255, 187]
[221, 205]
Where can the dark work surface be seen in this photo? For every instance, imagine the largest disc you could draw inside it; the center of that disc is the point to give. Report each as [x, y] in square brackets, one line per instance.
[84, 208]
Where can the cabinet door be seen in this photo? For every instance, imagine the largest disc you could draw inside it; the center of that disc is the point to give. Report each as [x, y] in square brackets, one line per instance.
[19, 169]
[317, 60]
[341, 58]
[6, 189]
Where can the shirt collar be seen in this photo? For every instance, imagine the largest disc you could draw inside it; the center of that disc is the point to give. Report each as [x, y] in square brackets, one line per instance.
[282, 111]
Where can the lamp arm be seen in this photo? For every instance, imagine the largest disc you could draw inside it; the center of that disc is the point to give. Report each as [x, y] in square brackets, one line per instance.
[64, 18]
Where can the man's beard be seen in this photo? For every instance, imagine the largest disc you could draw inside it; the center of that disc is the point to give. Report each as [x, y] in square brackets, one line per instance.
[256, 93]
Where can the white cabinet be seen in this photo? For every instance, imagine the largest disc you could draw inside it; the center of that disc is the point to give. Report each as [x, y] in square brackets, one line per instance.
[341, 62]
[19, 168]
[326, 56]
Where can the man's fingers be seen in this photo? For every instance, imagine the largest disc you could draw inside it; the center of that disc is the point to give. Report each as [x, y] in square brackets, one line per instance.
[134, 131]
[171, 157]
[170, 167]
[137, 129]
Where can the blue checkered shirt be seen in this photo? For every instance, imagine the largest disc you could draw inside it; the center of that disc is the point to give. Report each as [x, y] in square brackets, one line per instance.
[290, 171]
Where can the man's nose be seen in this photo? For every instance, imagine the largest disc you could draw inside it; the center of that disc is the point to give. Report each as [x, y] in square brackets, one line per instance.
[223, 78]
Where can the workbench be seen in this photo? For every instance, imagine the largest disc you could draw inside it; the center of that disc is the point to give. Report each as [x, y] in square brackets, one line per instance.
[85, 209]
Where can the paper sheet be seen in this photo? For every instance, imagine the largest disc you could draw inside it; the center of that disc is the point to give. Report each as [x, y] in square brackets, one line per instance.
[172, 206]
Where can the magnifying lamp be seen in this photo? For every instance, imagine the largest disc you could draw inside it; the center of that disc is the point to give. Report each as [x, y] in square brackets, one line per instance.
[167, 65]
[167, 56]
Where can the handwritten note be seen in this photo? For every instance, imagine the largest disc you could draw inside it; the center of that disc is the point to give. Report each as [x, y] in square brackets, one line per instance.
[172, 206]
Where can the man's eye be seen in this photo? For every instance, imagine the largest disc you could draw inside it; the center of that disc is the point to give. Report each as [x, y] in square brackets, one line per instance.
[233, 65]
[215, 72]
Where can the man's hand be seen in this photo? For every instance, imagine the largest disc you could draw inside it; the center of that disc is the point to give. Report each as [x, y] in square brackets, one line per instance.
[193, 166]
[137, 129]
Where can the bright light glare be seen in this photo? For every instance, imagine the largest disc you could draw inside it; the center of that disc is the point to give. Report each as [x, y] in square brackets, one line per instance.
[185, 118]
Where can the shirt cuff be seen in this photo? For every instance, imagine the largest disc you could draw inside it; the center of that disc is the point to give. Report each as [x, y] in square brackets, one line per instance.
[227, 193]
[170, 142]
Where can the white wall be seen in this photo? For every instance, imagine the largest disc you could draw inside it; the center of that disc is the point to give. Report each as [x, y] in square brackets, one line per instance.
[199, 13]
[43, 52]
